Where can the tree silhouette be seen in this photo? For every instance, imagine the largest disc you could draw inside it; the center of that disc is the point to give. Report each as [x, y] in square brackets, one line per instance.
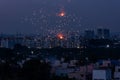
[35, 70]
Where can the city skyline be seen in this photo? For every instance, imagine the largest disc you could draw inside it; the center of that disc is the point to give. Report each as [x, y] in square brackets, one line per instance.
[35, 16]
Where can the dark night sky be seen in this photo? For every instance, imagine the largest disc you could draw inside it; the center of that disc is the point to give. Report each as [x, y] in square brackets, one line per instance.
[32, 16]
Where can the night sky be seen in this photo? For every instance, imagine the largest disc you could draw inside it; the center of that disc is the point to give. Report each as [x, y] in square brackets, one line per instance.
[34, 16]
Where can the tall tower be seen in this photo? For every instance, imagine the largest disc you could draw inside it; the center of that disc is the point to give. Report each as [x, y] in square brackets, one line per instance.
[103, 33]
[89, 34]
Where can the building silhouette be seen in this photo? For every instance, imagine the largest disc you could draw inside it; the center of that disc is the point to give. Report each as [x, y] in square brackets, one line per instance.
[103, 33]
[89, 34]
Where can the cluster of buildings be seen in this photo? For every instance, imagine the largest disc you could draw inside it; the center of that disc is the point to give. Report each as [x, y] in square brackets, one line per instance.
[66, 40]
[41, 41]
[78, 69]
[101, 33]
[101, 70]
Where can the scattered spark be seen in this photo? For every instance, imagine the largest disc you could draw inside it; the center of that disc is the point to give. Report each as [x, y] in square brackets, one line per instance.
[45, 21]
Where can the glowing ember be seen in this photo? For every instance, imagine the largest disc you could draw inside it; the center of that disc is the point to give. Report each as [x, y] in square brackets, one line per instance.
[60, 36]
[61, 14]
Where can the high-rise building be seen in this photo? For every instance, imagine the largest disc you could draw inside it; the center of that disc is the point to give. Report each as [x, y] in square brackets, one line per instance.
[89, 34]
[102, 74]
[103, 33]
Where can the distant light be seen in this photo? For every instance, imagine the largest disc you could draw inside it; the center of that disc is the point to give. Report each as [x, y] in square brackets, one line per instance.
[50, 47]
[27, 59]
[78, 47]
[29, 47]
[108, 46]
[32, 52]
[62, 13]
[3, 61]
[38, 47]
[60, 36]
